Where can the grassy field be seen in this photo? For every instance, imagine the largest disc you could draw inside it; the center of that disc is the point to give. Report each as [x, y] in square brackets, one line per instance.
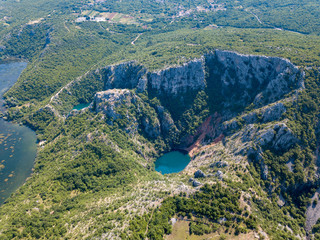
[180, 231]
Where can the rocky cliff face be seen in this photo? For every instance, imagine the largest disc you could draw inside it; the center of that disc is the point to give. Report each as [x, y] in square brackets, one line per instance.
[131, 112]
[170, 81]
[231, 81]
[269, 113]
[108, 101]
[178, 80]
[246, 79]
[277, 136]
[123, 75]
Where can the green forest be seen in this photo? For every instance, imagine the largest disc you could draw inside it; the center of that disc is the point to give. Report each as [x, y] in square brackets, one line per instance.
[94, 177]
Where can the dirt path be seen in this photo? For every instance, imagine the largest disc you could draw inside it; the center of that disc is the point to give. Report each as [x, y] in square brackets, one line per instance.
[256, 17]
[66, 27]
[133, 42]
[149, 221]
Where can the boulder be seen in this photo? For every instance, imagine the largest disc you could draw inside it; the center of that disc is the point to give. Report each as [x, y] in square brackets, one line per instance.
[199, 174]
[219, 175]
[222, 164]
[195, 183]
[264, 171]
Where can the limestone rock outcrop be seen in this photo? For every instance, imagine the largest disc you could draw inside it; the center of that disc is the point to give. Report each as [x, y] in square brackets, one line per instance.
[279, 136]
[108, 101]
[124, 104]
[181, 79]
[123, 75]
[234, 81]
[167, 123]
[247, 79]
[199, 174]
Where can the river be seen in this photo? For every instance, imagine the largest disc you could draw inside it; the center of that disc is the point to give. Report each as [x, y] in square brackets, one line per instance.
[17, 143]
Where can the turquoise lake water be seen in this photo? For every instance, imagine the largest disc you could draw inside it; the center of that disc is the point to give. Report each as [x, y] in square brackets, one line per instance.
[81, 106]
[172, 162]
[18, 146]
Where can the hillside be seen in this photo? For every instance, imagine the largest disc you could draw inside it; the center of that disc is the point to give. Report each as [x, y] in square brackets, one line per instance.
[234, 84]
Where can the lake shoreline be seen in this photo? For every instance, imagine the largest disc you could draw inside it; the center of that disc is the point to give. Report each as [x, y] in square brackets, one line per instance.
[8, 60]
[172, 162]
[18, 143]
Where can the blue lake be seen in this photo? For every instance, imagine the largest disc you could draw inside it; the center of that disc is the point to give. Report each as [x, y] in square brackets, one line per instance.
[18, 146]
[172, 162]
[81, 106]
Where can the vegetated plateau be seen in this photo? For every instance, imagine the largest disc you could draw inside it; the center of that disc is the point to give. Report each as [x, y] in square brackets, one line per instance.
[234, 84]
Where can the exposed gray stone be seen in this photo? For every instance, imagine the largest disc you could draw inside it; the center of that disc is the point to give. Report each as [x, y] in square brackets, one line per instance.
[222, 164]
[195, 183]
[230, 126]
[180, 79]
[111, 100]
[173, 221]
[222, 220]
[248, 133]
[108, 101]
[167, 123]
[267, 114]
[124, 75]
[261, 80]
[313, 211]
[152, 128]
[199, 174]
[219, 175]
[284, 137]
[278, 136]
[281, 201]
[264, 171]
[142, 85]
[273, 113]
[250, 118]
[290, 165]
[265, 136]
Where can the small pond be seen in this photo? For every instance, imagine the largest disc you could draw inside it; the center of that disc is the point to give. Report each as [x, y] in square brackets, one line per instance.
[172, 162]
[81, 106]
